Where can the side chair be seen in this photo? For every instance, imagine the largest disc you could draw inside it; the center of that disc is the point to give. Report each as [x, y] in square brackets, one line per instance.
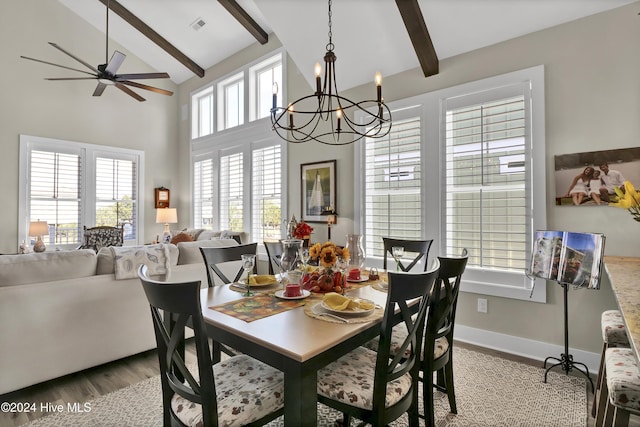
[237, 391]
[98, 237]
[418, 247]
[274, 252]
[214, 256]
[378, 387]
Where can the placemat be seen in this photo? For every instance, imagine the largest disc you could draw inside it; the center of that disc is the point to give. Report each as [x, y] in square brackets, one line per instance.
[309, 311]
[257, 307]
[257, 289]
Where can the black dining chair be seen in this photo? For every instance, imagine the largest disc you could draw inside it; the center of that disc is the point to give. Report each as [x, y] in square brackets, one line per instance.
[418, 248]
[377, 387]
[237, 391]
[274, 252]
[214, 256]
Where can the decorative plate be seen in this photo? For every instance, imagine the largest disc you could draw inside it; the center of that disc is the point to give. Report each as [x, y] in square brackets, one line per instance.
[263, 279]
[363, 278]
[280, 294]
[356, 312]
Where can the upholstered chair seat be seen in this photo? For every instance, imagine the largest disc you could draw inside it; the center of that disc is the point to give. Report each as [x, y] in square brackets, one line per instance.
[614, 332]
[620, 394]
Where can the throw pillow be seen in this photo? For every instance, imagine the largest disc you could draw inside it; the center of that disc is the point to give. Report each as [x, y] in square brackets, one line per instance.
[181, 237]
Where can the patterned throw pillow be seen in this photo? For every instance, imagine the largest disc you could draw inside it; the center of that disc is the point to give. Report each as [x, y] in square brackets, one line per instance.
[98, 237]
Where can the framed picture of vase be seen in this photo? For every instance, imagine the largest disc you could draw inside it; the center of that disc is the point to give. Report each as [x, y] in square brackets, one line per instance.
[318, 186]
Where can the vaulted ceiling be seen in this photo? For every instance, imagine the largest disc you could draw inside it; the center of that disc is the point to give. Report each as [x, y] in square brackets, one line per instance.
[369, 35]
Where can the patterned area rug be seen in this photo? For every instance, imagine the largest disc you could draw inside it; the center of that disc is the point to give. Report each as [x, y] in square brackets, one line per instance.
[490, 391]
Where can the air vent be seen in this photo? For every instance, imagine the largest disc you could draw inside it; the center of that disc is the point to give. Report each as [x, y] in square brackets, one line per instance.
[197, 24]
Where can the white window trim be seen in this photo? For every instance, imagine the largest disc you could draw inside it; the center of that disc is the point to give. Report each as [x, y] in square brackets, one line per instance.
[511, 285]
[88, 153]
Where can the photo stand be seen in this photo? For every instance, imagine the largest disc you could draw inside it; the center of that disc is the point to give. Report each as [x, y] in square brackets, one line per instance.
[569, 259]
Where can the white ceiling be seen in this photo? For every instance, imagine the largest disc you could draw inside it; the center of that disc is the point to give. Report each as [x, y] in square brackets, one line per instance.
[368, 35]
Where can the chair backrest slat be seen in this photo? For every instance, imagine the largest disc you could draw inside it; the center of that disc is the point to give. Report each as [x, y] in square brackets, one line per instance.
[274, 253]
[418, 247]
[213, 256]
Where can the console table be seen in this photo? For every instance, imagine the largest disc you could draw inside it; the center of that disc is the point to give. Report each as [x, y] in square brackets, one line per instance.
[624, 274]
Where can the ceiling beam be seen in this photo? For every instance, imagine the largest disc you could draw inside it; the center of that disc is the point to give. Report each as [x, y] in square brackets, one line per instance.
[148, 32]
[419, 35]
[245, 20]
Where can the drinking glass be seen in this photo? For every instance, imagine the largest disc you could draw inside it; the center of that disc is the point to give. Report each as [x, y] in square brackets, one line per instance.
[397, 252]
[342, 264]
[305, 256]
[248, 262]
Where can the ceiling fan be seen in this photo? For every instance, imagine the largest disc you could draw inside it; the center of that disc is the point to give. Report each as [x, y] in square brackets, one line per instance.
[106, 73]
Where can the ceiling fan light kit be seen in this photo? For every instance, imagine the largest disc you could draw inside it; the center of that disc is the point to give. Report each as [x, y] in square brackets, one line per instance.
[106, 73]
[325, 116]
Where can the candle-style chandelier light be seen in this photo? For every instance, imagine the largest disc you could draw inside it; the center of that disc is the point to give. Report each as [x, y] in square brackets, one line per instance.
[327, 117]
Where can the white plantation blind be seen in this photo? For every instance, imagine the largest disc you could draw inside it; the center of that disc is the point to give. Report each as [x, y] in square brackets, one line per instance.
[486, 182]
[203, 198]
[392, 168]
[267, 193]
[116, 197]
[54, 194]
[231, 192]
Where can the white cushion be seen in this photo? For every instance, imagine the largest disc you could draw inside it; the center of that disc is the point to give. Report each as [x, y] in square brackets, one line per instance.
[189, 252]
[47, 266]
[106, 260]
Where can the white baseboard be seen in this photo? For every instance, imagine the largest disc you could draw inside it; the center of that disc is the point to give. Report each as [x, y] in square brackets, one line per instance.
[536, 350]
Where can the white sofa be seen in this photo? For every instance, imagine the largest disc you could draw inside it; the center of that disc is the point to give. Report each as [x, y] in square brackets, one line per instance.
[62, 312]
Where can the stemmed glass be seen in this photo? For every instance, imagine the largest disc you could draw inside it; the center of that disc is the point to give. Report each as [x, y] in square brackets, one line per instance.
[342, 264]
[305, 257]
[248, 262]
[397, 252]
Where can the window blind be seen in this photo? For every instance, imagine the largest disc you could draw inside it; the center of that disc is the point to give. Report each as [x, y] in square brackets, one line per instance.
[203, 194]
[116, 198]
[393, 185]
[267, 193]
[231, 192]
[54, 194]
[487, 191]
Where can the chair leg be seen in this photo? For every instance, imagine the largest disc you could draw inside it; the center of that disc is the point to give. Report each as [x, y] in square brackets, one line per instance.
[620, 417]
[602, 401]
[451, 392]
[594, 405]
[427, 398]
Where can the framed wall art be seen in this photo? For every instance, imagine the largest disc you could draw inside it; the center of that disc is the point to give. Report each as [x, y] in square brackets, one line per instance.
[318, 190]
[162, 198]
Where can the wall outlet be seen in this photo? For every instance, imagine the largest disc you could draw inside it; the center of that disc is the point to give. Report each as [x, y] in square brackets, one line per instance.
[482, 305]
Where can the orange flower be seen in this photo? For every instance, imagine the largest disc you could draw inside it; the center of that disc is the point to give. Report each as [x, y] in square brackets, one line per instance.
[328, 257]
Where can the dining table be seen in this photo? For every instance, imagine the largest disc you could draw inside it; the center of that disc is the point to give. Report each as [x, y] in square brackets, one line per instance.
[291, 340]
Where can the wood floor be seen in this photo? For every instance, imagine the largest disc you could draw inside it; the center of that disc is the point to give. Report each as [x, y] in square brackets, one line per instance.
[92, 383]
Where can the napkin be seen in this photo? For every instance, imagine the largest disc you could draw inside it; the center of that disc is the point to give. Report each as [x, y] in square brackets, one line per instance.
[262, 279]
[338, 302]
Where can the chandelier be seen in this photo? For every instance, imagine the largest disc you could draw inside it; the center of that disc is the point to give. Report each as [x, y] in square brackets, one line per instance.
[325, 116]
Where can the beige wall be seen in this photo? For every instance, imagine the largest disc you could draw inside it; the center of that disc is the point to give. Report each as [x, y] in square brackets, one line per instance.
[66, 110]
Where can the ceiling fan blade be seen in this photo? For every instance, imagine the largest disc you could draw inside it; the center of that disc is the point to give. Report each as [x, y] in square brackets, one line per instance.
[70, 78]
[136, 76]
[57, 65]
[99, 89]
[91, 67]
[143, 86]
[129, 91]
[114, 63]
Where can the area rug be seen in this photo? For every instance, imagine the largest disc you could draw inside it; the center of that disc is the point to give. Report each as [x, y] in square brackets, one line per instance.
[490, 391]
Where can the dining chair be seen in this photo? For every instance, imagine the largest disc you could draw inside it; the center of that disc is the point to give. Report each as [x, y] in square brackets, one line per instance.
[377, 387]
[215, 256]
[237, 391]
[420, 249]
[274, 252]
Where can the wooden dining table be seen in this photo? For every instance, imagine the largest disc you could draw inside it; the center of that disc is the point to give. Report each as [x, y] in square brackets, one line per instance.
[291, 341]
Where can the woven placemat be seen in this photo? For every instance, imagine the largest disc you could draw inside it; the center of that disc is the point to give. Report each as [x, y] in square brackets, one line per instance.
[257, 307]
[311, 311]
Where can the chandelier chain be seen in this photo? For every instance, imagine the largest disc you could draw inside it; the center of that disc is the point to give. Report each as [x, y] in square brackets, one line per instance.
[330, 34]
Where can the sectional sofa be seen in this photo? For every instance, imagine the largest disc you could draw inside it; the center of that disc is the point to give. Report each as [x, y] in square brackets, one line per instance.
[62, 312]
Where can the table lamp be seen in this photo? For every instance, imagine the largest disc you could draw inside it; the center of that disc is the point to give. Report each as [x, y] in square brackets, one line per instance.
[166, 216]
[37, 229]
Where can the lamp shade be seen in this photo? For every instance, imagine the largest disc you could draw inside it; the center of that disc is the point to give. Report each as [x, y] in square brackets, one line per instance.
[166, 216]
[38, 228]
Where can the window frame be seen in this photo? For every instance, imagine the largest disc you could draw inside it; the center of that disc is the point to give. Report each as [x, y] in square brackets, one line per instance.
[88, 154]
[516, 285]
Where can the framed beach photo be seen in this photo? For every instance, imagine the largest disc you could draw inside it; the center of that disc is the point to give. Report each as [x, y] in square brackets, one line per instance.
[318, 188]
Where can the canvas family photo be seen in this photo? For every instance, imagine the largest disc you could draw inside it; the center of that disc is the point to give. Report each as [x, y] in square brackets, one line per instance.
[590, 178]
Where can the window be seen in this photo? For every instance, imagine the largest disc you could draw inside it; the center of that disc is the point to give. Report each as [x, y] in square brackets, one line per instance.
[231, 102]
[231, 192]
[203, 194]
[267, 193]
[70, 185]
[393, 184]
[231, 105]
[474, 178]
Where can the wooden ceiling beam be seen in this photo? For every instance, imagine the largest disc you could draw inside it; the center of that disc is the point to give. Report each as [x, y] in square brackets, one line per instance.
[245, 20]
[419, 35]
[148, 32]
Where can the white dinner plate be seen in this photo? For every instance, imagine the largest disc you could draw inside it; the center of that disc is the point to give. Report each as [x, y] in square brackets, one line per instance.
[356, 312]
[363, 278]
[280, 294]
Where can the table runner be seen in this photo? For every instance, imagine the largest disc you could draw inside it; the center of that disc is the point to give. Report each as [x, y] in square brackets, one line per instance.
[257, 307]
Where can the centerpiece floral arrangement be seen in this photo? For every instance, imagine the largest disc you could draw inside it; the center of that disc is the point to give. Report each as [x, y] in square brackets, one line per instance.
[302, 231]
[327, 253]
[628, 199]
[325, 279]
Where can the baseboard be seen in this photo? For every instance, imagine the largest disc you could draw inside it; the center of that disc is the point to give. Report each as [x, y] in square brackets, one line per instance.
[536, 350]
